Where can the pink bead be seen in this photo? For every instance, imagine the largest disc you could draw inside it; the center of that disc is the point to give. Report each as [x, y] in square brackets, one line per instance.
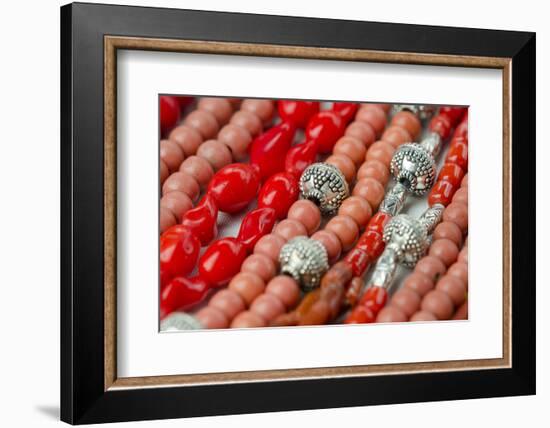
[409, 121]
[198, 168]
[171, 154]
[229, 302]
[396, 136]
[181, 182]
[351, 147]
[460, 271]
[216, 153]
[248, 285]
[374, 169]
[418, 282]
[448, 230]
[237, 139]
[439, 304]
[307, 213]
[267, 306]
[344, 164]
[211, 317]
[373, 115]
[289, 229]
[188, 138]
[204, 122]
[381, 151]
[262, 108]
[248, 319]
[463, 256]
[331, 242]
[260, 265]
[358, 209]
[458, 214]
[445, 250]
[362, 131]
[391, 314]
[345, 228]
[454, 288]
[461, 196]
[430, 266]
[177, 202]
[423, 316]
[164, 172]
[285, 289]
[464, 182]
[385, 107]
[167, 219]
[370, 190]
[407, 300]
[219, 107]
[270, 246]
[248, 121]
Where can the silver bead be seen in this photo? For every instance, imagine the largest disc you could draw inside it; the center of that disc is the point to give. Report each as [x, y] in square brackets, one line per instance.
[421, 111]
[413, 167]
[304, 259]
[394, 200]
[325, 185]
[432, 143]
[178, 321]
[406, 236]
[384, 272]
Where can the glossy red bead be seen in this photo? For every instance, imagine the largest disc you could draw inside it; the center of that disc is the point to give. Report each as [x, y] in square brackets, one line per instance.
[222, 261]
[203, 219]
[374, 298]
[451, 173]
[442, 125]
[169, 113]
[279, 192]
[359, 261]
[182, 293]
[326, 128]
[372, 243]
[234, 186]
[360, 315]
[442, 193]
[462, 130]
[179, 249]
[269, 149]
[346, 110]
[297, 112]
[378, 222]
[454, 113]
[458, 154]
[256, 223]
[184, 101]
[299, 157]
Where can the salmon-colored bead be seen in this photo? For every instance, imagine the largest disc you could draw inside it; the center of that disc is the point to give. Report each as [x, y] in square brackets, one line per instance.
[345, 228]
[448, 230]
[381, 151]
[441, 193]
[260, 265]
[385, 107]
[331, 242]
[461, 196]
[198, 168]
[211, 317]
[358, 209]
[289, 229]
[248, 121]
[430, 266]
[204, 122]
[362, 131]
[463, 256]
[452, 173]
[270, 246]
[219, 107]
[307, 213]
[188, 138]
[464, 182]
[171, 154]
[408, 121]
[164, 172]
[418, 282]
[351, 147]
[237, 139]
[423, 316]
[216, 153]
[458, 214]
[181, 182]
[167, 219]
[344, 164]
[374, 169]
[229, 302]
[459, 270]
[285, 289]
[370, 190]
[454, 288]
[262, 108]
[177, 202]
[373, 115]
[462, 312]
[407, 300]
[396, 136]
[248, 319]
[268, 306]
[438, 303]
[248, 285]
[391, 314]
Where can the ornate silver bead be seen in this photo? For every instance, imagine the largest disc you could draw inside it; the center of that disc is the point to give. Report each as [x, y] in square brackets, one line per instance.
[304, 259]
[422, 111]
[325, 185]
[178, 321]
[407, 236]
[394, 200]
[413, 167]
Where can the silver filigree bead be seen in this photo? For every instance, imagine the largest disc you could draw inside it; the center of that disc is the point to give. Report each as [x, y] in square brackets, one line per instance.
[406, 236]
[413, 167]
[178, 321]
[421, 111]
[325, 185]
[304, 259]
[394, 200]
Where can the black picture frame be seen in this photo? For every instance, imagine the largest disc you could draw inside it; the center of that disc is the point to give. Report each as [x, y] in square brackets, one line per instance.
[83, 396]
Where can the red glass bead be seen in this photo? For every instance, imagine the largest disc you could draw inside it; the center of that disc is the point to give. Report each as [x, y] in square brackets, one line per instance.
[378, 222]
[179, 249]
[203, 219]
[299, 157]
[442, 125]
[359, 261]
[462, 130]
[454, 113]
[458, 154]
[326, 128]
[372, 243]
[169, 113]
[442, 193]
[360, 315]
[346, 110]
[222, 261]
[451, 173]
[234, 186]
[182, 293]
[374, 298]
[297, 112]
[279, 192]
[256, 223]
[269, 149]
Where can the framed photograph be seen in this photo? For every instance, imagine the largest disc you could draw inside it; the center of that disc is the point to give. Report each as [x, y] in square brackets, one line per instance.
[266, 213]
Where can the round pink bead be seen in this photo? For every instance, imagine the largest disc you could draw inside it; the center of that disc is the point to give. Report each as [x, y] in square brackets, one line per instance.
[407, 300]
[430, 266]
[374, 169]
[211, 317]
[248, 319]
[351, 147]
[216, 153]
[237, 139]
[463, 256]
[181, 182]
[171, 154]
[381, 151]
[331, 242]
[461, 196]
[460, 271]
[164, 172]
[370, 190]
[289, 229]
[423, 316]
[267, 306]
[373, 115]
[418, 282]
[458, 214]
[448, 230]
[464, 182]
[270, 246]
[396, 136]
[358, 209]
[229, 302]
[391, 314]
[248, 121]
[362, 131]
[260, 265]
[453, 287]
[445, 250]
[204, 122]
[177, 202]
[438, 303]
[248, 285]
[307, 213]
[219, 107]
[344, 164]
[167, 219]
[198, 168]
[345, 228]
[262, 108]
[188, 138]
[285, 289]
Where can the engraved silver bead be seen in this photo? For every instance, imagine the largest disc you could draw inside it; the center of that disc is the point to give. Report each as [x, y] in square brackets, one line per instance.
[325, 185]
[421, 111]
[413, 167]
[178, 321]
[304, 259]
[407, 236]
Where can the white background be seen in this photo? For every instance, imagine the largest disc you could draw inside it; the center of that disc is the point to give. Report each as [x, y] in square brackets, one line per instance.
[29, 234]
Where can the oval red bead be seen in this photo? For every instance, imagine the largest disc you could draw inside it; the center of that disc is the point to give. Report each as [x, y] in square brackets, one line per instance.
[372, 243]
[442, 125]
[169, 113]
[454, 113]
[234, 186]
[179, 249]
[297, 112]
[279, 192]
[203, 219]
[374, 298]
[346, 110]
[256, 223]
[359, 261]
[326, 128]
[458, 154]
[379, 221]
[182, 293]
[222, 261]
[442, 193]
[360, 315]
[451, 173]
[299, 157]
